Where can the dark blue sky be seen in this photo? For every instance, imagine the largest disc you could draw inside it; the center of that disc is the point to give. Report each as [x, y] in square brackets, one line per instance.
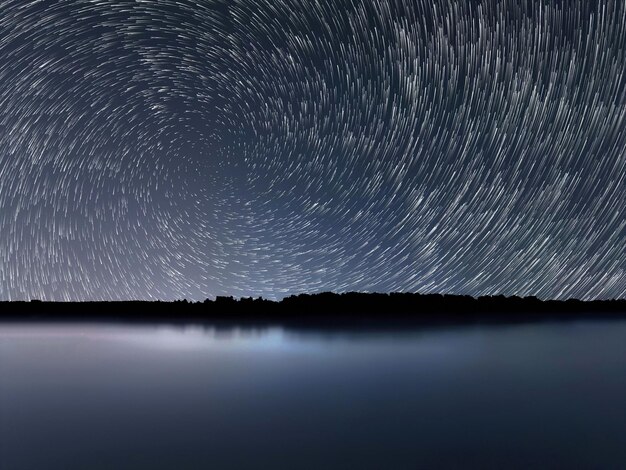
[161, 149]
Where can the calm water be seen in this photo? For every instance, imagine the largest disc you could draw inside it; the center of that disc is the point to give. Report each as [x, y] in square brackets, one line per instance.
[115, 396]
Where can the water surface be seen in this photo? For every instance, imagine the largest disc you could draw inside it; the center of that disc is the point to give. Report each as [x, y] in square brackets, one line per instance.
[153, 396]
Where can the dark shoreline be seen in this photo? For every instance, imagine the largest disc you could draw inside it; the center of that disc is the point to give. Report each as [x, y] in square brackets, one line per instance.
[353, 310]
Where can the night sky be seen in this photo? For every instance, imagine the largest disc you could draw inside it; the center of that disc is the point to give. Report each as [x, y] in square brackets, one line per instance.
[168, 149]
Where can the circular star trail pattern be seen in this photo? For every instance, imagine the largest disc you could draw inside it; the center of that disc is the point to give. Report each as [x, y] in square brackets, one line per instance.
[169, 149]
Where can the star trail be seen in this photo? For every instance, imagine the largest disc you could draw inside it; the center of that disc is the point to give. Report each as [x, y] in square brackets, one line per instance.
[185, 149]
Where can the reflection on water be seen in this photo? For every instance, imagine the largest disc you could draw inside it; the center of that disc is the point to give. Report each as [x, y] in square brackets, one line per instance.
[119, 396]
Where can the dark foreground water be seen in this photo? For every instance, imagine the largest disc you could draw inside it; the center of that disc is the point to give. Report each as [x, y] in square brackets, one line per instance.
[116, 396]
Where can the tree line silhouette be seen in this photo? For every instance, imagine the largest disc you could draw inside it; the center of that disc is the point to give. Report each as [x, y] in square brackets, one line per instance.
[325, 307]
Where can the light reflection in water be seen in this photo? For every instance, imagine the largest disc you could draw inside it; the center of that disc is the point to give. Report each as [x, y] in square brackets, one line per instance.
[158, 396]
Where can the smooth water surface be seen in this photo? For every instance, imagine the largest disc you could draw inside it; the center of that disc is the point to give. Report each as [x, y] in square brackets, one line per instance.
[117, 396]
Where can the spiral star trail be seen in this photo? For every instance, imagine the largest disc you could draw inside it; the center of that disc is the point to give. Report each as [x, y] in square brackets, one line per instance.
[184, 149]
